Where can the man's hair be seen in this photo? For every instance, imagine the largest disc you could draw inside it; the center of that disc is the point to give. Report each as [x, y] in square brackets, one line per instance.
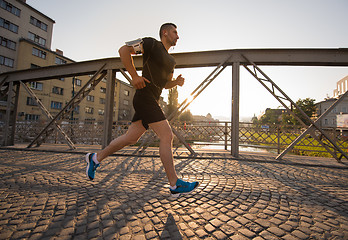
[166, 26]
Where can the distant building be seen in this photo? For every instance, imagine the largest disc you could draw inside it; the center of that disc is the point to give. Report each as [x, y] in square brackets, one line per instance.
[204, 119]
[26, 37]
[330, 120]
[342, 87]
[273, 115]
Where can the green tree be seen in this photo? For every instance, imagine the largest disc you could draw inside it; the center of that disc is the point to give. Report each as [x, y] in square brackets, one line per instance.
[308, 106]
[172, 100]
[186, 116]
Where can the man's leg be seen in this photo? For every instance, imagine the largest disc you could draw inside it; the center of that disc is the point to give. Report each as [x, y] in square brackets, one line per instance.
[165, 134]
[135, 131]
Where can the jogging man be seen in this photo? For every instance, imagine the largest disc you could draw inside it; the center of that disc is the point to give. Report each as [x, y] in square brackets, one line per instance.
[158, 68]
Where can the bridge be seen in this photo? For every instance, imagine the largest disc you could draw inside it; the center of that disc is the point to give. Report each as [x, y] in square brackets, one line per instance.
[250, 59]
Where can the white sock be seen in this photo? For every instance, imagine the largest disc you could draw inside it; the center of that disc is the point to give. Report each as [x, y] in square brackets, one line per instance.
[94, 158]
[172, 188]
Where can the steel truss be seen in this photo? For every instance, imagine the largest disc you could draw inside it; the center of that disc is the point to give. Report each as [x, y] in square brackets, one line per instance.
[48, 115]
[70, 106]
[265, 81]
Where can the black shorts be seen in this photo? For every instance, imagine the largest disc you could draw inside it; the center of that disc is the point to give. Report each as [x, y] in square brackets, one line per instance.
[147, 110]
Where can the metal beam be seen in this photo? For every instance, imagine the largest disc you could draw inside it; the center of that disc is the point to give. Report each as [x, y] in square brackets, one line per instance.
[81, 94]
[9, 109]
[48, 114]
[109, 107]
[235, 111]
[275, 57]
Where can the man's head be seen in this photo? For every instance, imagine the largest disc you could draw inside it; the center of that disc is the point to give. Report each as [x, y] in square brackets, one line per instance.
[168, 33]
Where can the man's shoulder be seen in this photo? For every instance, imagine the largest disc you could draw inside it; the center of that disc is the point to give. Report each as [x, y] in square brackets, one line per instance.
[150, 40]
[151, 44]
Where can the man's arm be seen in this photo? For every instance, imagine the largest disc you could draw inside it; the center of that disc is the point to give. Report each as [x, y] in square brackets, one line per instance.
[126, 57]
[179, 81]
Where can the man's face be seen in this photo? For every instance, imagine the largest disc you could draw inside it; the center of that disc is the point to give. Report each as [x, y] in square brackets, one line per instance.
[172, 36]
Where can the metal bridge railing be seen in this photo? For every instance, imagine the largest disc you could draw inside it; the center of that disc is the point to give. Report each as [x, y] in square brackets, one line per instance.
[275, 137]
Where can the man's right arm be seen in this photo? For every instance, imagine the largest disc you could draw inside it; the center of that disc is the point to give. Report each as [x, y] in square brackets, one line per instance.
[126, 57]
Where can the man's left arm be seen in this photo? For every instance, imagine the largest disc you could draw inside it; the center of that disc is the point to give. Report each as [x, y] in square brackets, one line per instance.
[179, 81]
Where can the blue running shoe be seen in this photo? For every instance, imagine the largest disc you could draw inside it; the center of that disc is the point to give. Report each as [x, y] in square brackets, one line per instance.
[183, 187]
[91, 166]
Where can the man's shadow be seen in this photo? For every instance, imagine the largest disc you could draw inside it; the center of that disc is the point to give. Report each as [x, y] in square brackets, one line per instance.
[171, 229]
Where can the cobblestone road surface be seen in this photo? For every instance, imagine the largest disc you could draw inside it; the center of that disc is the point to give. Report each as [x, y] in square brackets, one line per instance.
[46, 196]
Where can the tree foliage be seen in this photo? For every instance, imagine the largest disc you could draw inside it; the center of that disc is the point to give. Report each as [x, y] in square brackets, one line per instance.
[278, 116]
[308, 106]
[186, 116]
[172, 100]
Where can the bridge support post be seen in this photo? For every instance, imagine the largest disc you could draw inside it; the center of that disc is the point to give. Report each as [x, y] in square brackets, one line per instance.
[109, 107]
[235, 110]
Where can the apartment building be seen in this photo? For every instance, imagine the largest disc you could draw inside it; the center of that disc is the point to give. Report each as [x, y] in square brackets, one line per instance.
[342, 87]
[55, 93]
[19, 20]
[330, 120]
[26, 36]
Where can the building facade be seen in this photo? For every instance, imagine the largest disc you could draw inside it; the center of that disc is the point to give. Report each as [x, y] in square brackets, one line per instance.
[19, 20]
[342, 87]
[26, 36]
[330, 120]
[55, 93]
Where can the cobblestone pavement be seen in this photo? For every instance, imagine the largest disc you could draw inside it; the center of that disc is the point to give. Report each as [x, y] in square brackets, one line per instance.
[46, 196]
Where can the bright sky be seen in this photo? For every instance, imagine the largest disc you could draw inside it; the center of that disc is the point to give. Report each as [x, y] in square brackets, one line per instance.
[89, 29]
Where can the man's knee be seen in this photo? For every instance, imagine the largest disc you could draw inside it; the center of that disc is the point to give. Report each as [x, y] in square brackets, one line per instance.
[131, 139]
[167, 137]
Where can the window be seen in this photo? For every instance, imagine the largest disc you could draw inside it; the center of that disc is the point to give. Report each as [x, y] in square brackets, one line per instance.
[10, 8]
[78, 82]
[126, 92]
[102, 100]
[125, 102]
[32, 117]
[326, 122]
[8, 62]
[39, 53]
[36, 85]
[101, 111]
[344, 109]
[35, 38]
[89, 110]
[103, 90]
[90, 98]
[31, 101]
[60, 61]
[7, 43]
[38, 23]
[56, 105]
[58, 90]
[8, 25]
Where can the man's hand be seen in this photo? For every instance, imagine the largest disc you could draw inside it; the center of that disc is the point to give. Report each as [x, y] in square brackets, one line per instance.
[180, 80]
[139, 82]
